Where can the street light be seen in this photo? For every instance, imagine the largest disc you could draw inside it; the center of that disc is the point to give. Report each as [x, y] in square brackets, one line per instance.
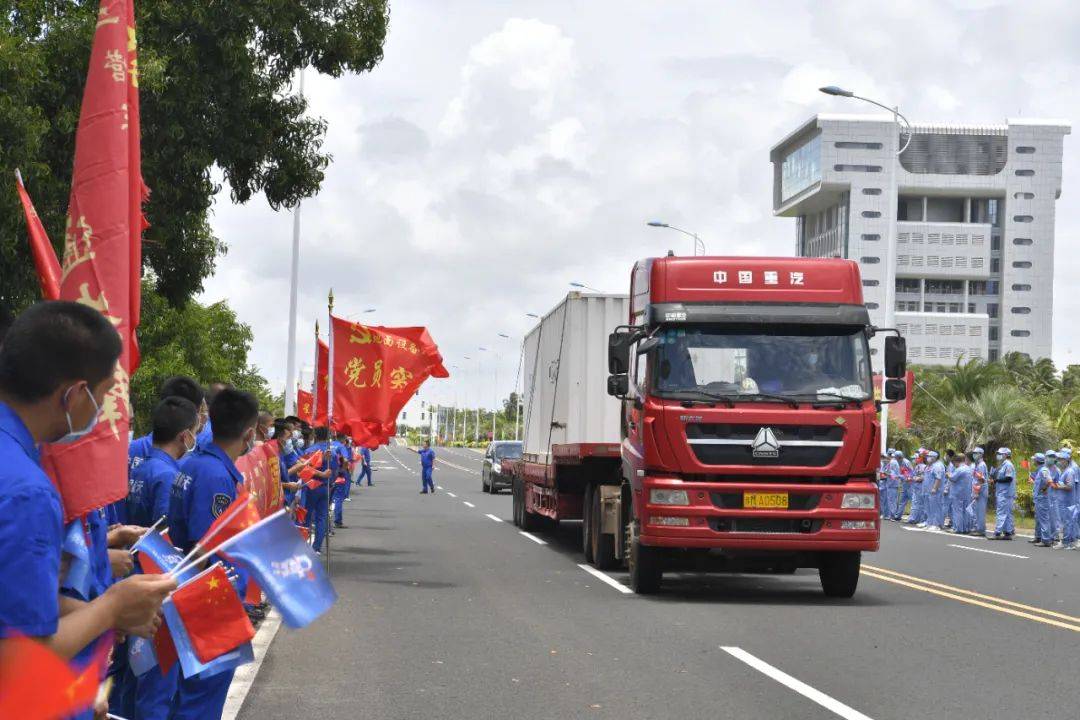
[583, 286]
[698, 242]
[532, 315]
[890, 254]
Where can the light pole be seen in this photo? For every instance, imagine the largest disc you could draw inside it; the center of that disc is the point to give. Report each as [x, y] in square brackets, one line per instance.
[583, 286]
[890, 248]
[480, 393]
[294, 287]
[697, 241]
[517, 376]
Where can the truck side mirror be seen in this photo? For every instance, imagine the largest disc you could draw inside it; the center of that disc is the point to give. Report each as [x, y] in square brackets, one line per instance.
[618, 385]
[619, 352]
[895, 357]
[895, 390]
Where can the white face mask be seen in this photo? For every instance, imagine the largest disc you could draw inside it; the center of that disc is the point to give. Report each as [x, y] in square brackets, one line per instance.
[194, 444]
[300, 444]
[270, 433]
[74, 434]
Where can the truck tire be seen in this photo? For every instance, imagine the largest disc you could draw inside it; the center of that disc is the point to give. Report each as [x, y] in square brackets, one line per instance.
[644, 563]
[586, 524]
[484, 485]
[515, 501]
[530, 522]
[602, 547]
[839, 572]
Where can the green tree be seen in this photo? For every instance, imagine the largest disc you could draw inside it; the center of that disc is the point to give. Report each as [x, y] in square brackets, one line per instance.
[206, 342]
[215, 92]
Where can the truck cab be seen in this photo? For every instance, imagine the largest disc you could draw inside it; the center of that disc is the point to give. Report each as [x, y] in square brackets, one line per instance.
[749, 427]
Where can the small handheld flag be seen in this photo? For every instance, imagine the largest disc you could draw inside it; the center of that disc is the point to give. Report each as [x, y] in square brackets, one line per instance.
[79, 575]
[213, 616]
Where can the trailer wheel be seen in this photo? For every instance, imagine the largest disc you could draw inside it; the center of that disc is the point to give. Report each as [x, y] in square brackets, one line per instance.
[646, 570]
[530, 522]
[839, 573]
[602, 547]
[587, 523]
[515, 502]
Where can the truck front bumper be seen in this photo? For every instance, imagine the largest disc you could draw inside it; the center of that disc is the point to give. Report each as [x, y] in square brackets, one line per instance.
[715, 515]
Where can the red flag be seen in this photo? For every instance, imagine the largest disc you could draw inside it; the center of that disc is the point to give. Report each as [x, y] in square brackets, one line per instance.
[164, 648]
[301, 514]
[307, 473]
[36, 684]
[304, 404]
[213, 614]
[322, 379]
[375, 372]
[239, 516]
[253, 594]
[45, 262]
[262, 477]
[102, 252]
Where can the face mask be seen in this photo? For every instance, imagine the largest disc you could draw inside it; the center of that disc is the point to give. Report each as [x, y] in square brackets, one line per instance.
[194, 444]
[300, 444]
[74, 434]
[296, 435]
[288, 446]
[270, 433]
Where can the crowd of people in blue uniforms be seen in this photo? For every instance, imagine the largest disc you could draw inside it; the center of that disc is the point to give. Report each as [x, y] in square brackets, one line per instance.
[57, 362]
[952, 494]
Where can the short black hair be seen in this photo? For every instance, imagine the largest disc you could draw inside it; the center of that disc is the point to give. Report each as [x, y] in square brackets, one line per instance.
[322, 433]
[172, 416]
[185, 387]
[233, 413]
[54, 342]
[280, 426]
[295, 420]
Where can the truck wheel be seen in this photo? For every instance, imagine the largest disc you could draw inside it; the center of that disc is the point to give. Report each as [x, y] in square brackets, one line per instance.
[602, 547]
[515, 501]
[484, 486]
[646, 571]
[839, 573]
[586, 524]
[530, 522]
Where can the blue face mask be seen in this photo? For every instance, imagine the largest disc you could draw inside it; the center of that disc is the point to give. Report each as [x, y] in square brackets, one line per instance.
[288, 446]
[74, 434]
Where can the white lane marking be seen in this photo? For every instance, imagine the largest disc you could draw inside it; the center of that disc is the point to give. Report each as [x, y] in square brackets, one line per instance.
[468, 503]
[532, 537]
[495, 518]
[449, 493]
[440, 487]
[245, 675]
[458, 467]
[604, 578]
[829, 703]
[989, 552]
[403, 466]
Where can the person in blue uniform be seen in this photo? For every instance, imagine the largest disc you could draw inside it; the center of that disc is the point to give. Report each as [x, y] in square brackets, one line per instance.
[427, 467]
[343, 480]
[907, 478]
[57, 363]
[1062, 500]
[882, 483]
[934, 487]
[288, 457]
[893, 480]
[1004, 476]
[365, 468]
[211, 489]
[918, 511]
[960, 493]
[316, 499]
[980, 491]
[1041, 481]
[177, 386]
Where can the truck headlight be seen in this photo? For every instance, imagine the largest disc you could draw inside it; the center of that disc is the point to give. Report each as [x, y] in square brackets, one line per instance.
[857, 501]
[668, 497]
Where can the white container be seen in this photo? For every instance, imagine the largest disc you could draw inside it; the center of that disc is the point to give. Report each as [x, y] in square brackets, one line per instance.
[565, 375]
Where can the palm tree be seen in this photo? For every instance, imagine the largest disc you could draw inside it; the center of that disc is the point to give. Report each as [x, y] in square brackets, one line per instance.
[969, 379]
[1043, 377]
[1000, 415]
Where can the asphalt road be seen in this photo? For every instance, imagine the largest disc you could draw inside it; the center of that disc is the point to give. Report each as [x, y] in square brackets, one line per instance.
[447, 611]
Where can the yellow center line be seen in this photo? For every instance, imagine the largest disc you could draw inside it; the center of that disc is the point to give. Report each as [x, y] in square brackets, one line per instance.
[991, 598]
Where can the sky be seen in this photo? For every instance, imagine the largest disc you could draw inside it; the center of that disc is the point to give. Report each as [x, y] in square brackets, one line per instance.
[503, 150]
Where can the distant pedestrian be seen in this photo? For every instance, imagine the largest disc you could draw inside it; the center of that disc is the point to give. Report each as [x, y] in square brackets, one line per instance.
[427, 466]
[1004, 475]
[1041, 481]
[980, 488]
[960, 493]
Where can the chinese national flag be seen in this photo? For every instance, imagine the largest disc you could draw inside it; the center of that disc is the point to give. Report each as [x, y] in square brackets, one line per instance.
[322, 378]
[239, 516]
[304, 402]
[307, 473]
[45, 262]
[36, 684]
[102, 260]
[213, 615]
[375, 372]
[164, 648]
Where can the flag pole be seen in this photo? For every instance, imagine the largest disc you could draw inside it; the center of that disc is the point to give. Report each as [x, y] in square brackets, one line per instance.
[330, 422]
[294, 283]
[242, 534]
[315, 379]
[198, 546]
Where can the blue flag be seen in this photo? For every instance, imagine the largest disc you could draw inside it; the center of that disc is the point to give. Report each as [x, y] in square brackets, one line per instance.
[286, 569]
[141, 657]
[185, 652]
[80, 574]
[155, 547]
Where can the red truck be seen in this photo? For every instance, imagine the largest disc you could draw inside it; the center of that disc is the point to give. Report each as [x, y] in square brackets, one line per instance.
[720, 417]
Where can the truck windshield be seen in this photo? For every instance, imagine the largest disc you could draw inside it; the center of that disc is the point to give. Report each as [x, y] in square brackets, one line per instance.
[797, 362]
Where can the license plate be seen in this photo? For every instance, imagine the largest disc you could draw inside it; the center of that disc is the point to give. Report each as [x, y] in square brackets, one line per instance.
[765, 501]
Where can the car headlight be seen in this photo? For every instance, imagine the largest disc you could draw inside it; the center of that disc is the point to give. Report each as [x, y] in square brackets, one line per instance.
[857, 501]
[668, 497]
[496, 467]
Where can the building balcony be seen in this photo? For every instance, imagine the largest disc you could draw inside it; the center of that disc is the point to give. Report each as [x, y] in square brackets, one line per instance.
[943, 249]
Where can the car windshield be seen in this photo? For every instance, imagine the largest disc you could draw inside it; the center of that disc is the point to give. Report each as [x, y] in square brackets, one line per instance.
[803, 362]
[510, 451]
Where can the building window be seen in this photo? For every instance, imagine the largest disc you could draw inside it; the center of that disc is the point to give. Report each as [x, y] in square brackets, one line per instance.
[404, 415]
[1021, 311]
[971, 307]
[993, 335]
[871, 214]
[871, 237]
[995, 242]
[1021, 287]
[992, 309]
[944, 287]
[1024, 196]
[872, 306]
[907, 285]
[995, 265]
[954, 307]
[1020, 333]
[850, 145]
[857, 168]
[869, 260]
[993, 355]
[871, 191]
[1025, 173]
[992, 287]
[1023, 218]
[1022, 149]
[800, 168]
[870, 283]
[942, 307]
[1022, 241]
[873, 351]
[1021, 264]
[928, 307]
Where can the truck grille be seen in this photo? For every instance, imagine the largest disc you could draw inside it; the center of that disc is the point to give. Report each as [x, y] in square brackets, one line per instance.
[734, 501]
[796, 445]
[764, 525]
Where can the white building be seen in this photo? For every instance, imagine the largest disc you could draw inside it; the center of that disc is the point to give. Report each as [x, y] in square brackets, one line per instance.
[967, 213]
[418, 414]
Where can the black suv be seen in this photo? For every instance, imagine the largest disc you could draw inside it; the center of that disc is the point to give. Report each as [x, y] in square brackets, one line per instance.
[493, 477]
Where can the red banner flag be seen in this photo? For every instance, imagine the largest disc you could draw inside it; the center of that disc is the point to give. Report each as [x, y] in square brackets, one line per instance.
[45, 262]
[213, 615]
[375, 372]
[262, 477]
[102, 252]
[305, 401]
[322, 380]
